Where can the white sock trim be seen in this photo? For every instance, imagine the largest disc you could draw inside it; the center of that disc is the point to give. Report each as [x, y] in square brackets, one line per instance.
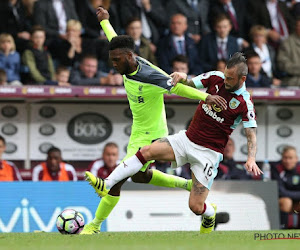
[210, 211]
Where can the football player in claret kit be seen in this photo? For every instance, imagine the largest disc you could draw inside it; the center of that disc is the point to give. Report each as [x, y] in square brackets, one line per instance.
[145, 85]
[203, 143]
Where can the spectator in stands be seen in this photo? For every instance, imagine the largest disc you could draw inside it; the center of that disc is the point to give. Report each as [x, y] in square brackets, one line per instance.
[10, 59]
[152, 14]
[61, 77]
[142, 44]
[53, 15]
[294, 7]
[196, 12]
[28, 6]
[221, 65]
[256, 77]
[180, 63]
[37, 58]
[54, 169]
[275, 16]
[3, 80]
[218, 45]
[177, 42]
[103, 167]
[15, 20]
[228, 168]
[287, 175]
[72, 49]
[86, 10]
[267, 54]
[236, 10]
[8, 170]
[288, 58]
[88, 74]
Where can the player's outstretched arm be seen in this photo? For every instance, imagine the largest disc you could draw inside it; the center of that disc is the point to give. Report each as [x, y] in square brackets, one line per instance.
[103, 18]
[191, 93]
[251, 165]
[182, 78]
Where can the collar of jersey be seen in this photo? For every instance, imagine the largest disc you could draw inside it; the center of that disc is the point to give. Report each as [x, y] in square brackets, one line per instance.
[240, 90]
[134, 72]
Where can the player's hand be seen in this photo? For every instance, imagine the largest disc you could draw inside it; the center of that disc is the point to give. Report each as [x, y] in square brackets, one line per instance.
[216, 100]
[102, 14]
[177, 77]
[252, 167]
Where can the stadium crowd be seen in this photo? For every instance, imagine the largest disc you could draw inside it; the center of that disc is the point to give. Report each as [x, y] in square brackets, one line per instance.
[42, 39]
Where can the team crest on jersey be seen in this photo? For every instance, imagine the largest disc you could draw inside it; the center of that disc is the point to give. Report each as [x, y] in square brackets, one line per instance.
[234, 103]
[140, 88]
[295, 180]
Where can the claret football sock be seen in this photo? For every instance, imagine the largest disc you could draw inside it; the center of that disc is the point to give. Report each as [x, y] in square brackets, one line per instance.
[105, 207]
[166, 180]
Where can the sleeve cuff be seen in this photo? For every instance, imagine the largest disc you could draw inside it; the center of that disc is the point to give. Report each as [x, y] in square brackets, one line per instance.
[198, 84]
[250, 124]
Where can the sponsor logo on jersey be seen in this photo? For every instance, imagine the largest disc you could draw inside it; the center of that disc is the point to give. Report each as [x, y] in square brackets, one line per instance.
[140, 88]
[212, 114]
[234, 103]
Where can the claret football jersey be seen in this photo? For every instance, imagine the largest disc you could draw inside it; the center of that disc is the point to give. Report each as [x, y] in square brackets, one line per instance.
[211, 126]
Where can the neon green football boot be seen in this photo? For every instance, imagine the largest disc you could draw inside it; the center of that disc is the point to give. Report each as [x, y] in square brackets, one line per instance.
[208, 222]
[97, 183]
[90, 228]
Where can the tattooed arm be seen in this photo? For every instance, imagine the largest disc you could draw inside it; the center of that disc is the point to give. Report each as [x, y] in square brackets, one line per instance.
[251, 165]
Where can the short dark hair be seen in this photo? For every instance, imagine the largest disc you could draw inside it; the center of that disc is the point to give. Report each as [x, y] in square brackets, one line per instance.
[62, 68]
[110, 144]
[36, 28]
[53, 149]
[288, 148]
[131, 20]
[180, 58]
[122, 42]
[2, 139]
[88, 56]
[219, 18]
[238, 59]
[250, 54]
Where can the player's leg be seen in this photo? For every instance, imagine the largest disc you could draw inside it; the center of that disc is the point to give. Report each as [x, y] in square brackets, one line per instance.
[110, 200]
[105, 207]
[158, 178]
[159, 150]
[198, 205]
[165, 149]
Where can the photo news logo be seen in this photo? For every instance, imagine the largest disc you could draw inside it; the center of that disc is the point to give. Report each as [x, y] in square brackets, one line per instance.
[276, 236]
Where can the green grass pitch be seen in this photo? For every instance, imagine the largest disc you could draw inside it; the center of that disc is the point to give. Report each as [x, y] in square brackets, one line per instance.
[239, 240]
